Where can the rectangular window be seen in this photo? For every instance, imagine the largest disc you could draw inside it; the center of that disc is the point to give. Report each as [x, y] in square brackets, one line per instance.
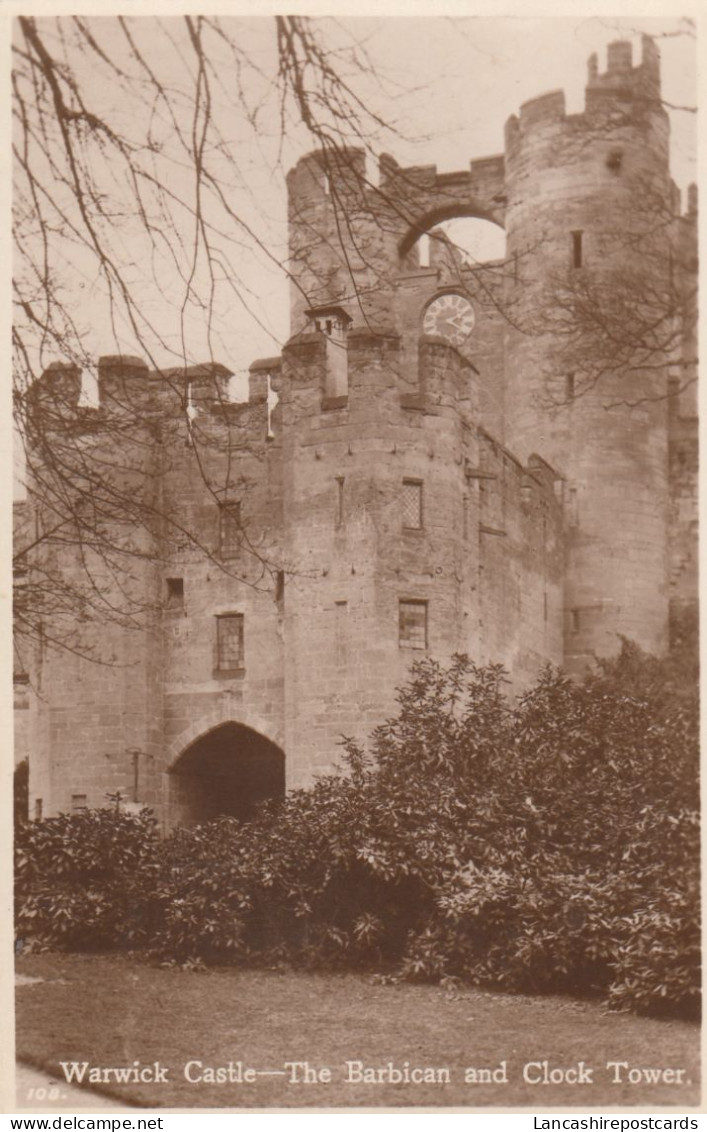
[38, 809]
[336, 376]
[413, 625]
[229, 529]
[21, 691]
[175, 593]
[576, 249]
[78, 802]
[569, 387]
[412, 505]
[229, 642]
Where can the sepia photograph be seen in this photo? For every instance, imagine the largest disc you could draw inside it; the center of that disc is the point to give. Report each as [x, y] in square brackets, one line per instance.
[355, 562]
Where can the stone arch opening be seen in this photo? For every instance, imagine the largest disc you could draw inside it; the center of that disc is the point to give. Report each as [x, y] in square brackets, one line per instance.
[225, 773]
[457, 242]
[458, 217]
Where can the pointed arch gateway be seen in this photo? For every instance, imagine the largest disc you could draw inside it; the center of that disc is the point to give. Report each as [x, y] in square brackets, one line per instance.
[225, 772]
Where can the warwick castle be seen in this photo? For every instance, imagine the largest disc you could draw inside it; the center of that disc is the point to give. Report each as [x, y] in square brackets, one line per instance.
[498, 459]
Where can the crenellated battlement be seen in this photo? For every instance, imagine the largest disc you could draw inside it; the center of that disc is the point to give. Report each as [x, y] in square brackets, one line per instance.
[622, 93]
[621, 77]
[203, 386]
[543, 108]
[123, 384]
[263, 372]
[317, 178]
[337, 175]
[128, 388]
[58, 388]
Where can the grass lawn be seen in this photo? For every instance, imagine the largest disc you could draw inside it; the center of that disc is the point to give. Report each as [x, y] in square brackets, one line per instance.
[113, 1011]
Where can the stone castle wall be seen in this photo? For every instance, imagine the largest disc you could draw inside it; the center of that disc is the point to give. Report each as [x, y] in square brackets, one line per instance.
[557, 486]
[321, 504]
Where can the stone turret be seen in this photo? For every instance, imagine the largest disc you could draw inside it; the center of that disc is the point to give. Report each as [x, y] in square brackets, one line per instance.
[589, 223]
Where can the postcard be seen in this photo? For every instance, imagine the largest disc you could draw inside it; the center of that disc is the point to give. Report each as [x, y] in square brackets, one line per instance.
[355, 561]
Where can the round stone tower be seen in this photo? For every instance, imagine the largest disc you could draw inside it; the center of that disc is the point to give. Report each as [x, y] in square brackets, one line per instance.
[590, 224]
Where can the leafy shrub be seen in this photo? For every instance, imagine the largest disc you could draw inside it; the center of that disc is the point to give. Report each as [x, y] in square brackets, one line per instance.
[549, 845]
[83, 879]
[658, 965]
[657, 960]
[295, 883]
[590, 881]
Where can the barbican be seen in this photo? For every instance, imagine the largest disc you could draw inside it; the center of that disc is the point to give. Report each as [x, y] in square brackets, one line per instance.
[426, 469]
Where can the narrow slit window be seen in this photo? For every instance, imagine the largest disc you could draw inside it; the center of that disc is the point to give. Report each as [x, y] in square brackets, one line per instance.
[38, 808]
[569, 387]
[341, 633]
[412, 505]
[280, 586]
[339, 500]
[229, 529]
[573, 507]
[577, 249]
[229, 642]
[412, 624]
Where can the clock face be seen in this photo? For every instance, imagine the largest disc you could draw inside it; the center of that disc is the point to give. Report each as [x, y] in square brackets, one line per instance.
[450, 316]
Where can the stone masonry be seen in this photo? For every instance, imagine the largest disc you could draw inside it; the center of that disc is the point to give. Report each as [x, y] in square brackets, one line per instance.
[389, 493]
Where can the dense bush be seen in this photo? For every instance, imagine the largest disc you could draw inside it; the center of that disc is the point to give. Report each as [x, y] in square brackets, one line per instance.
[295, 883]
[82, 880]
[551, 845]
[587, 878]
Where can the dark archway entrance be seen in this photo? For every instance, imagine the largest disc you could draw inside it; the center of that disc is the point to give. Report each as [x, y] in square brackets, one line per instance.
[225, 773]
